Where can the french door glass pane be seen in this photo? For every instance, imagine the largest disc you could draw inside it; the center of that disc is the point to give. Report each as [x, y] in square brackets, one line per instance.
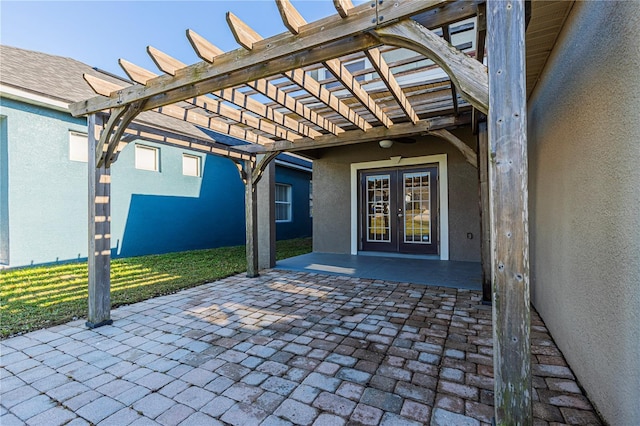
[417, 208]
[378, 211]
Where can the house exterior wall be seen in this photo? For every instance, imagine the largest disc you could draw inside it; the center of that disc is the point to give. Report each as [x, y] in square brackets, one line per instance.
[301, 223]
[584, 143]
[332, 193]
[152, 212]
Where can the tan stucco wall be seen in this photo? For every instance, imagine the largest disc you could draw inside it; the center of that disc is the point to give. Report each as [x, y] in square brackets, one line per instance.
[584, 139]
[332, 193]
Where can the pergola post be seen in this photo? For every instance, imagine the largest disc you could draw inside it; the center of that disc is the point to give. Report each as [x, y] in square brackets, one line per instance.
[99, 253]
[266, 216]
[251, 219]
[509, 211]
[485, 224]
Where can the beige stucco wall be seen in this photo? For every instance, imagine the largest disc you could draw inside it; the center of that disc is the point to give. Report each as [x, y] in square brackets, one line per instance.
[584, 138]
[332, 193]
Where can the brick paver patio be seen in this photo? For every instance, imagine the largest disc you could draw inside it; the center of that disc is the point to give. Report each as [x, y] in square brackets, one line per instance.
[286, 348]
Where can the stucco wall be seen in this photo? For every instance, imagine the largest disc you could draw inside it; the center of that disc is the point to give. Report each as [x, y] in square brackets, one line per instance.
[152, 212]
[332, 193]
[584, 138]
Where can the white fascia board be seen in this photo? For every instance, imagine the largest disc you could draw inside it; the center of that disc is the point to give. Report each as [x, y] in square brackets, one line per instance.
[293, 166]
[32, 98]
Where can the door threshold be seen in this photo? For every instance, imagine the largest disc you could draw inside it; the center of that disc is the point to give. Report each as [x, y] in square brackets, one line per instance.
[399, 255]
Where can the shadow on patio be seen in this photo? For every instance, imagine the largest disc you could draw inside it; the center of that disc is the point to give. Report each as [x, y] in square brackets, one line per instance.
[285, 348]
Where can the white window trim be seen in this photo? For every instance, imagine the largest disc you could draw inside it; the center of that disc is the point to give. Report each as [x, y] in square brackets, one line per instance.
[150, 148]
[85, 141]
[198, 164]
[289, 203]
[443, 194]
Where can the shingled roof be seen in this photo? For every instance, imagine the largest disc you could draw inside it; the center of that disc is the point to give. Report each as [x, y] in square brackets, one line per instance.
[60, 79]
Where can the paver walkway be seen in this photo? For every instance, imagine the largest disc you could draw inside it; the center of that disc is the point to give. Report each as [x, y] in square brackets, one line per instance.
[285, 348]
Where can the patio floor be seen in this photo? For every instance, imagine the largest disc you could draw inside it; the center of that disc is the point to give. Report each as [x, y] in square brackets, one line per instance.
[406, 268]
[287, 347]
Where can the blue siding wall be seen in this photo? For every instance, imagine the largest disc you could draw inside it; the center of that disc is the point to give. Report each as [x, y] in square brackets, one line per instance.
[301, 224]
[152, 212]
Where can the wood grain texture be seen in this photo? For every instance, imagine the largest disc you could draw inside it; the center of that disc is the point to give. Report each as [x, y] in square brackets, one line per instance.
[194, 117]
[469, 76]
[99, 254]
[251, 219]
[203, 47]
[140, 75]
[236, 97]
[187, 82]
[383, 70]
[243, 33]
[294, 21]
[509, 211]
[485, 222]
[351, 137]
[469, 154]
[343, 7]
[290, 16]
[342, 74]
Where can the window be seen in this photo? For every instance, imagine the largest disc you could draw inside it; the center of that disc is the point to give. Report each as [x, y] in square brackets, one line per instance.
[78, 147]
[283, 203]
[191, 165]
[146, 158]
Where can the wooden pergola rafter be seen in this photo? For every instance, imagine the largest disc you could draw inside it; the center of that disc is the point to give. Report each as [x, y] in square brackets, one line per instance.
[305, 113]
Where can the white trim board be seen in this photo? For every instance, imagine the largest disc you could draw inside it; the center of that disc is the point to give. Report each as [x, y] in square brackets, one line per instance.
[32, 98]
[443, 194]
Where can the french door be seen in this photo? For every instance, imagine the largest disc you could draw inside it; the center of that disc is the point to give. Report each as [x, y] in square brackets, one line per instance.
[399, 210]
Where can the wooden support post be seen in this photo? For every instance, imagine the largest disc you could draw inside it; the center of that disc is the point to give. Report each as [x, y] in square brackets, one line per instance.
[509, 211]
[99, 254]
[485, 225]
[266, 215]
[251, 219]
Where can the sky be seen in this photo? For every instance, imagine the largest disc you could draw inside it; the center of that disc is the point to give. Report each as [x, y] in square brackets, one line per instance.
[99, 33]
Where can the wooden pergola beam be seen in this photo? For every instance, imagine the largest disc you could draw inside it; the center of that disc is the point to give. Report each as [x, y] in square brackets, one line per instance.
[315, 89]
[208, 52]
[469, 75]
[272, 92]
[190, 81]
[343, 7]
[247, 37]
[147, 132]
[350, 137]
[468, 153]
[190, 116]
[294, 22]
[507, 125]
[140, 75]
[446, 35]
[342, 74]
[378, 62]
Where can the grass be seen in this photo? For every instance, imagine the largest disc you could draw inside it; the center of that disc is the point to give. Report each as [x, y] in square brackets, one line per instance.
[42, 296]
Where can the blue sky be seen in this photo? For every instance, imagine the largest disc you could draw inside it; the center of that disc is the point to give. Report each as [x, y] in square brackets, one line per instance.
[98, 33]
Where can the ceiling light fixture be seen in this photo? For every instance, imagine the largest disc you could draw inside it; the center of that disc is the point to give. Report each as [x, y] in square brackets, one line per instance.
[386, 143]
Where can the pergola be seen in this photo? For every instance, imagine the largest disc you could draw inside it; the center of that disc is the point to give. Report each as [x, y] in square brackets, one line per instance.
[298, 91]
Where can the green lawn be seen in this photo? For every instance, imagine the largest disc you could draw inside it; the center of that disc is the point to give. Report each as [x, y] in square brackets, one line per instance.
[42, 296]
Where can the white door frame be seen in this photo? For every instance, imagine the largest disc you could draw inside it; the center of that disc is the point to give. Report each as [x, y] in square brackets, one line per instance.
[443, 194]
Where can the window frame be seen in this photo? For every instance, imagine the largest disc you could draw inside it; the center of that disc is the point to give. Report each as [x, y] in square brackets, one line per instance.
[198, 164]
[288, 202]
[147, 148]
[82, 141]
